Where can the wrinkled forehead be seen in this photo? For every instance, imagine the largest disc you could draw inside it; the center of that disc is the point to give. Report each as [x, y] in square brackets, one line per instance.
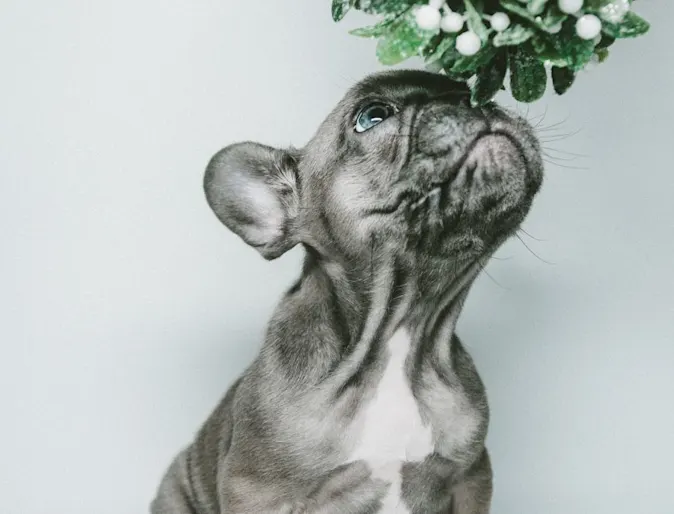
[405, 86]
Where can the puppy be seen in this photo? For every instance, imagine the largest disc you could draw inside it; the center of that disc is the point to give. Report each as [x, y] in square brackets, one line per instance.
[362, 399]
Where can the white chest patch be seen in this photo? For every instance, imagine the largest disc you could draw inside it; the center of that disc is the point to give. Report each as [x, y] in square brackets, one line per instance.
[388, 429]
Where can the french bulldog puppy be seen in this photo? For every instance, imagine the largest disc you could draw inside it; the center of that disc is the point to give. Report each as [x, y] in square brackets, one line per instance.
[362, 399]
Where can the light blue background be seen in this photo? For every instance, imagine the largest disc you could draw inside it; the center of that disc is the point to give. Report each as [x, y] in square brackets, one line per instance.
[126, 309]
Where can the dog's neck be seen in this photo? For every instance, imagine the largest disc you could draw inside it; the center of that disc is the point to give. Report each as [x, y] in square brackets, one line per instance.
[367, 300]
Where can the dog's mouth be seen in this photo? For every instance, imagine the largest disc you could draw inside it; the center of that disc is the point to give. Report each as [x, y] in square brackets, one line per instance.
[411, 200]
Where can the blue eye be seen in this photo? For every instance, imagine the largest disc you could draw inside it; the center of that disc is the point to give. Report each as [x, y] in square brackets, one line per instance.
[372, 115]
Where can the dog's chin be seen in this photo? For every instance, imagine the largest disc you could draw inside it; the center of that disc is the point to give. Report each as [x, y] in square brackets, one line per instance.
[471, 231]
[489, 197]
[458, 243]
[462, 239]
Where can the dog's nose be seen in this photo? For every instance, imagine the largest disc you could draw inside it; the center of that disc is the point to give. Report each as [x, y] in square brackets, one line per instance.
[448, 131]
[495, 153]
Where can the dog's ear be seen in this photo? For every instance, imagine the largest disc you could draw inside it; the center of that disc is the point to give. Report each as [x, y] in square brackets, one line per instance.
[252, 189]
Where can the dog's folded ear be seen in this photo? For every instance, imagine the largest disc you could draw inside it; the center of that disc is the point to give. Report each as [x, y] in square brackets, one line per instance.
[253, 190]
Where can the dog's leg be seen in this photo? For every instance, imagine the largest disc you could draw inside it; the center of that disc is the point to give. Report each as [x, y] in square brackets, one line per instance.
[190, 484]
[473, 495]
[174, 496]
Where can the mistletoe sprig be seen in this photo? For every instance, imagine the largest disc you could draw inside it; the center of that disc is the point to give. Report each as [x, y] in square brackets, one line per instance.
[479, 41]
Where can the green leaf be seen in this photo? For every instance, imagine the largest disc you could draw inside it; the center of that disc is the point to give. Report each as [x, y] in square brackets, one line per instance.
[340, 8]
[515, 7]
[470, 64]
[605, 41]
[377, 30]
[489, 81]
[597, 4]
[513, 35]
[576, 51]
[564, 49]
[457, 76]
[448, 43]
[528, 79]
[630, 26]
[462, 67]
[536, 7]
[545, 49]
[474, 20]
[562, 79]
[602, 54]
[429, 49]
[550, 23]
[404, 40]
[553, 19]
[384, 6]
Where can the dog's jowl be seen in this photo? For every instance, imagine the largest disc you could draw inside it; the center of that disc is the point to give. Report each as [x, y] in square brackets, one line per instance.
[363, 399]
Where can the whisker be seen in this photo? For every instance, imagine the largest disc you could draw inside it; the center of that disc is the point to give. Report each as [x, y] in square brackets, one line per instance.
[554, 125]
[541, 118]
[494, 280]
[560, 137]
[565, 166]
[555, 139]
[532, 237]
[565, 152]
[557, 158]
[532, 252]
[483, 268]
[501, 258]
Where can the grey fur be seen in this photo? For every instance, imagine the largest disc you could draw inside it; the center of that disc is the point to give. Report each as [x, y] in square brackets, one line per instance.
[397, 222]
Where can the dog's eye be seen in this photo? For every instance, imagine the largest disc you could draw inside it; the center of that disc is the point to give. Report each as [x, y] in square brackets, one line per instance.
[372, 115]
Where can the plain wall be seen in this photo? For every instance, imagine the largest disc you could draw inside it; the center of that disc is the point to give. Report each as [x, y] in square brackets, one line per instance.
[127, 309]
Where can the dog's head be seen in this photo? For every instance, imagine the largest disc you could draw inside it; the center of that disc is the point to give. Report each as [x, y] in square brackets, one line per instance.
[402, 164]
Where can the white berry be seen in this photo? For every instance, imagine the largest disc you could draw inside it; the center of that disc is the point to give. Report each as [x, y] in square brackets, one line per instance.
[436, 4]
[588, 27]
[452, 22]
[468, 43]
[428, 17]
[500, 21]
[570, 6]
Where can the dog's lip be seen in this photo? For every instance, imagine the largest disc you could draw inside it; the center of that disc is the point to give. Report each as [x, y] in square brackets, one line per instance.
[416, 198]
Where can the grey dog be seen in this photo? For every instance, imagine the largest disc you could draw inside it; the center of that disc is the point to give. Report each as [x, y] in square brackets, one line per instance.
[362, 399]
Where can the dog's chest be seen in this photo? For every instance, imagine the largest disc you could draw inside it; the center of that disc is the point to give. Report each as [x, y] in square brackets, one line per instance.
[388, 429]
